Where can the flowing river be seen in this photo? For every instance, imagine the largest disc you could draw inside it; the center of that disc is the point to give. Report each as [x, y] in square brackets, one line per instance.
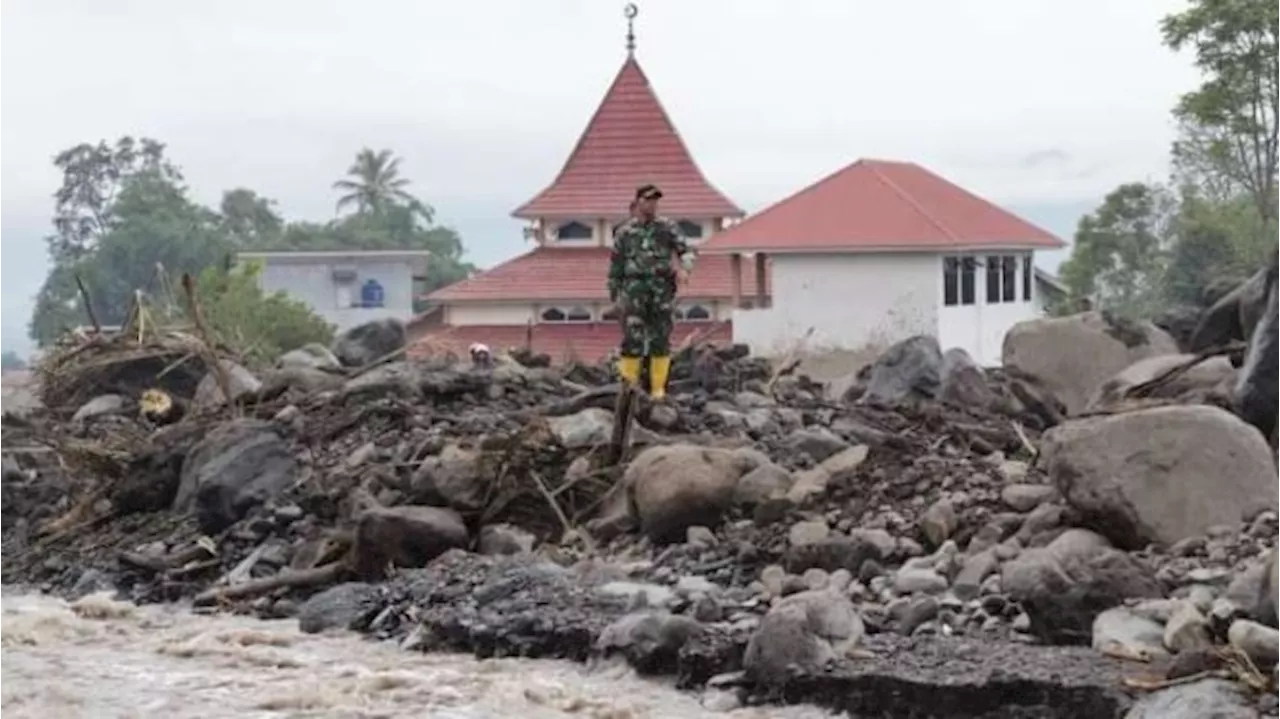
[101, 659]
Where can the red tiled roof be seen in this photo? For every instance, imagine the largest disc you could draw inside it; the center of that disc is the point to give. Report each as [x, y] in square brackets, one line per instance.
[581, 273]
[629, 142]
[879, 205]
[588, 342]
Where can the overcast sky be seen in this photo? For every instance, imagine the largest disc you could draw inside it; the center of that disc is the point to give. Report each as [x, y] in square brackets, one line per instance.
[1039, 105]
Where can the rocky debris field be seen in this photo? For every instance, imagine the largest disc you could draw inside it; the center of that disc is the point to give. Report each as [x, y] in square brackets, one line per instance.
[1090, 531]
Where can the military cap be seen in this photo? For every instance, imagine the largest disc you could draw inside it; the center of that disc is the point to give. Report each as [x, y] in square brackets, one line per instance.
[648, 192]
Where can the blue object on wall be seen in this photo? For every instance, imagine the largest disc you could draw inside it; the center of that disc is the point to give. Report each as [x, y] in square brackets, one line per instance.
[371, 294]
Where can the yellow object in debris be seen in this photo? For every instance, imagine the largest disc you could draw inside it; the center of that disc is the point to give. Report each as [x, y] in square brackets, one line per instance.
[157, 406]
[659, 368]
[629, 370]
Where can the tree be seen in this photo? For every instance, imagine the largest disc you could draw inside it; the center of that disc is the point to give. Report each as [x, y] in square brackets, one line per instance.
[10, 360]
[92, 176]
[1119, 254]
[250, 219]
[1215, 243]
[374, 184]
[1229, 124]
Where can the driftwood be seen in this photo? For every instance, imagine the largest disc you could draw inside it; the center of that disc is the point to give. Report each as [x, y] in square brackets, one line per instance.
[1144, 389]
[286, 579]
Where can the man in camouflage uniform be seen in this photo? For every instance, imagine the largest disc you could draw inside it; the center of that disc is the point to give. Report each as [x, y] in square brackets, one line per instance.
[642, 284]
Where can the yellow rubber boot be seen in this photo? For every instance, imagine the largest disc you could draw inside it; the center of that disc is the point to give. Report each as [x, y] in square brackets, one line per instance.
[659, 368]
[629, 370]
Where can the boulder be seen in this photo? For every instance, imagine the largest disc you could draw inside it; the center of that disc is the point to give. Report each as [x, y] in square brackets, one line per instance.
[1123, 632]
[818, 443]
[910, 369]
[394, 378]
[679, 486]
[1267, 615]
[649, 640]
[350, 605]
[240, 381]
[964, 383]
[1205, 699]
[1256, 390]
[1072, 356]
[365, 343]
[498, 539]
[765, 482]
[1161, 475]
[456, 478]
[308, 380]
[237, 466]
[405, 536]
[1212, 376]
[312, 355]
[590, 427]
[1065, 585]
[813, 482]
[802, 633]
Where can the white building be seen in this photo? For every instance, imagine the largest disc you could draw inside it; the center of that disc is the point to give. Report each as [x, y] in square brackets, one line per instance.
[346, 288]
[878, 252]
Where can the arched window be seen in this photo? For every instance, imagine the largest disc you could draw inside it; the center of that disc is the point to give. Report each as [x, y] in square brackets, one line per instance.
[690, 229]
[573, 231]
[697, 313]
[578, 314]
[553, 314]
[371, 294]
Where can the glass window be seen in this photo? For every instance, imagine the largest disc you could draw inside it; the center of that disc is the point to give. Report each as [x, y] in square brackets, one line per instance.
[950, 281]
[553, 314]
[690, 229]
[573, 231]
[1028, 274]
[1009, 278]
[993, 279]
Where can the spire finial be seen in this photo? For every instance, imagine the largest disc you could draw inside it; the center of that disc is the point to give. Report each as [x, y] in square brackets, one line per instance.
[631, 11]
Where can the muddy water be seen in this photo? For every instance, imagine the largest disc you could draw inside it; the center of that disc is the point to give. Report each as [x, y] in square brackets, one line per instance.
[100, 659]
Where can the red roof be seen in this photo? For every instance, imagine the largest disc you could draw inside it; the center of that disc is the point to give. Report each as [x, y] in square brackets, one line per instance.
[629, 142]
[581, 273]
[879, 205]
[587, 342]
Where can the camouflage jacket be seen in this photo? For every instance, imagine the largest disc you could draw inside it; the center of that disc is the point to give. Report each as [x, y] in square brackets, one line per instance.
[645, 249]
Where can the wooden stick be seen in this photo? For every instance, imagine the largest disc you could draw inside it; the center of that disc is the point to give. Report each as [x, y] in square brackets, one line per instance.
[555, 506]
[787, 364]
[202, 328]
[285, 579]
[88, 305]
[1143, 389]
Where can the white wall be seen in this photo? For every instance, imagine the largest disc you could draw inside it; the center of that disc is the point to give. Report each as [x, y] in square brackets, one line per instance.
[486, 313]
[851, 301]
[602, 231]
[310, 280]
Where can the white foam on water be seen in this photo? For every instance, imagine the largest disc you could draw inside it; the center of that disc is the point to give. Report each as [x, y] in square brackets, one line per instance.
[102, 659]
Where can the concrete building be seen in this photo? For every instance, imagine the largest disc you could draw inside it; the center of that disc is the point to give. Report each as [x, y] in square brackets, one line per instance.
[880, 251]
[346, 288]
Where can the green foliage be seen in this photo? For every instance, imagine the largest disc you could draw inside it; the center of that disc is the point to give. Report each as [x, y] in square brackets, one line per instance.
[260, 326]
[124, 222]
[10, 360]
[1119, 254]
[1229, 123]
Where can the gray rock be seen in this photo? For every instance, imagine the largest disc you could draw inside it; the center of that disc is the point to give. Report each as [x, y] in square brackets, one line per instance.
[1026, 497]
[365, 343]
[239, 465]
[457, 478]
[588, 428]
[240, 381]
[1260, 642]
[1137, 475]
[938, 522]
[650, 640]
[1202, 379]
[91, 581]
[968, 582]
[1066, 584]
[675, 487]
[834, 553]
[914, 580]
[394, 378]
[910, 369]
[1205, 699]
[1187, 629]
[963, 382]
[101, 405]
[405, 536]
[917, 611]
[813, 482]
[346, 606]
[818, 443]
[639, 593]
[1123, 632]
[765, 482]
[808, 532]
[802, 632]
[497, 539]
[312, 356]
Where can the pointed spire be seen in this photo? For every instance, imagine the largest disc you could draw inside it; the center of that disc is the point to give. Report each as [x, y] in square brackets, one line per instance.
[631, 11]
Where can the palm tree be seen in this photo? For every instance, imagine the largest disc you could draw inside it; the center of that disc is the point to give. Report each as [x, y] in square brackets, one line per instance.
[373, 183]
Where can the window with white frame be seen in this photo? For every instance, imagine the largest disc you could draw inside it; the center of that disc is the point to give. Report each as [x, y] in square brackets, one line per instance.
[574, 232]
[576, 313]
[1002, 279]
[958, 281]
[692, 313]
[1028, 274]
[690, 229]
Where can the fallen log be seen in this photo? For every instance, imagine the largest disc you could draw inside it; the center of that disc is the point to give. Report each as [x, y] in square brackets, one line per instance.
[286, 579]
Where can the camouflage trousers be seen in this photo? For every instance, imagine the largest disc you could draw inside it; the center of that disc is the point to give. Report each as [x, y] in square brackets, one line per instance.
[647, 304]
